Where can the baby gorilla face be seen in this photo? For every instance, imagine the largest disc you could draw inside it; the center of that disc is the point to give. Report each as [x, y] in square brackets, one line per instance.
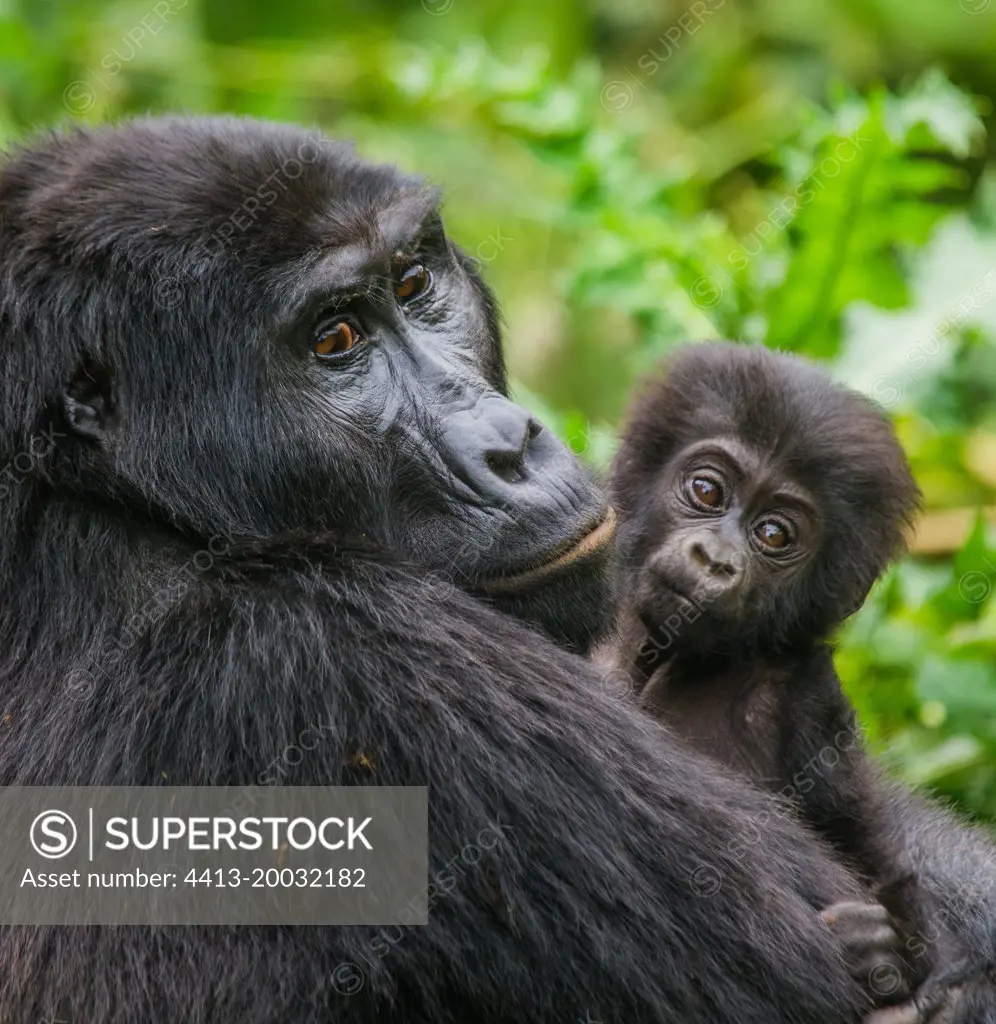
[758, 500]
[726, 532]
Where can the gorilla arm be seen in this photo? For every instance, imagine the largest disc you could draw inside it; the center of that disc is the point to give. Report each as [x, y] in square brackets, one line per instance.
[632, 882]
[956, 866]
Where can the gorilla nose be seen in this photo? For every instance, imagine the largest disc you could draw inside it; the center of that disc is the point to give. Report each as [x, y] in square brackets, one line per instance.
[714, 556]
[497, 443]
[507, 459]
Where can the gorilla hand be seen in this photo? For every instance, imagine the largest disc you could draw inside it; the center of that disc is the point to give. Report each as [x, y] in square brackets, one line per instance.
[872, 950]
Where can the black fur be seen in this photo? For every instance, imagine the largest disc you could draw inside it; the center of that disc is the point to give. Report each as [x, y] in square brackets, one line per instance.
[181, 600]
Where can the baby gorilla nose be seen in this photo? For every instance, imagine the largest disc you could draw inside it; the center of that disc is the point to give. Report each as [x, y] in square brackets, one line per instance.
[716, 559]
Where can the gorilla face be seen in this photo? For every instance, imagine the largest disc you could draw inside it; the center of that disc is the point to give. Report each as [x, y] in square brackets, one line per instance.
[286, 341]
[759, 501]
[724, 536]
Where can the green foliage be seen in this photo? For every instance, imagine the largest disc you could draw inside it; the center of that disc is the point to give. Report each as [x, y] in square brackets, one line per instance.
[629, 176]
[867, 196]
[919, 659]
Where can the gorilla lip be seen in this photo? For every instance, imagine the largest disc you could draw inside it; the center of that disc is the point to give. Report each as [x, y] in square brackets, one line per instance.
[590, 543]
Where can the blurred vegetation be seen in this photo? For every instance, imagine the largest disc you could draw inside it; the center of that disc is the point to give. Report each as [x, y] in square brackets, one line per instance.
[815, 175]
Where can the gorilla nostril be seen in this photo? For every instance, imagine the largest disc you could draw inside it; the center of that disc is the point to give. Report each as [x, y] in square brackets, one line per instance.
[713, 564]
[508, 466]
[701, 557]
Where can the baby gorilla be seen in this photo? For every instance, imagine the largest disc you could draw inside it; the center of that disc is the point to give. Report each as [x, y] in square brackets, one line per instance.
[758, 502]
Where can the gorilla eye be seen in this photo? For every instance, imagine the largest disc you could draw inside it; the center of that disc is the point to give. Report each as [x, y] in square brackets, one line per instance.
[413, 282]
[334, 340]
[773, 534]
[707, 492]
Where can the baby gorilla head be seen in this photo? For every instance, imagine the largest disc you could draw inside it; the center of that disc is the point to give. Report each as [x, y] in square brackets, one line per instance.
[759, 501]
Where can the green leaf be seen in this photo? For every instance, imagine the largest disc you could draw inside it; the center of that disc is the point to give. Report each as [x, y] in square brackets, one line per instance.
[953, 755]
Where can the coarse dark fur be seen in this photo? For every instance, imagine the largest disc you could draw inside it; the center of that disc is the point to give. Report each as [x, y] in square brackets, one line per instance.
[181, 600]
[731, 648]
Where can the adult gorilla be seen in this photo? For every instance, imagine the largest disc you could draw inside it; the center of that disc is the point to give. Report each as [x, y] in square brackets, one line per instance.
[231, 330]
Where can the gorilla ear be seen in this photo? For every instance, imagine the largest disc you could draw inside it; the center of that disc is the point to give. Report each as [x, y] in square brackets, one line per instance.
[88, 401]
[856, 601]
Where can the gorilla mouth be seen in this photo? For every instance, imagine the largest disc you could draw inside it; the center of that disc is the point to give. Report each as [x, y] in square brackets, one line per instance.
[662, 603]
[576, 550]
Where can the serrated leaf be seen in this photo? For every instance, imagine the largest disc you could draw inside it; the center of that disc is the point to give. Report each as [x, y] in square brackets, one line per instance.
[950, 114]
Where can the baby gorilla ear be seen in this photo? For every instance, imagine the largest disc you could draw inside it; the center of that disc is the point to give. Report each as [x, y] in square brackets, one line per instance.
[854, 603]
[88, 401]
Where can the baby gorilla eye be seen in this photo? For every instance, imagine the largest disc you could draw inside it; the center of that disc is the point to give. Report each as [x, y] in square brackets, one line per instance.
[413, 282]
[337, 339]
[707, 491]
[773, 534]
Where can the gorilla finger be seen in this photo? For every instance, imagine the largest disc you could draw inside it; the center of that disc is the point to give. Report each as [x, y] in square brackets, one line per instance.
[886, 977]
[906, 1014]
[846, 914]
[943, 1008]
